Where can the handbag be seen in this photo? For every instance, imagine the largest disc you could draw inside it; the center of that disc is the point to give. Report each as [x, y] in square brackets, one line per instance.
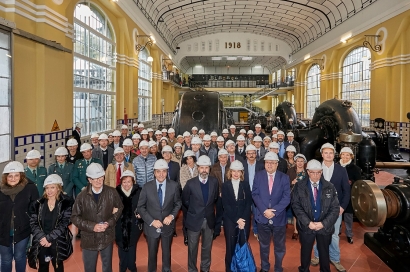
[242, 260]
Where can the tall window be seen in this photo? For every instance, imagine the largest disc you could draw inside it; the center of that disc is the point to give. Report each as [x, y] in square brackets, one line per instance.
[144, 87]
[356, 82]
[312, 90]
[5, 96]
[94, 70]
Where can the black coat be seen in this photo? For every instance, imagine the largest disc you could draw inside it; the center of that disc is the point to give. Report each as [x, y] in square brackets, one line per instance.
[282, 165]
[302, 207]
[21, 207]
[60, 236]
[128, 228]
[77, 136]
[174, 171]
[354, 173]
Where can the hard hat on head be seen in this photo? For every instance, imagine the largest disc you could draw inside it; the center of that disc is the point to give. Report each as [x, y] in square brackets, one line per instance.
[186, 134]
[85, 147]
[189, 153]
[273, 145]
[228, 143]
[72, 142]
[201, 131]
[250, 132]
[271, 156]
[150, 130]
[13, 167]
[95, 170]
[124, 127]
[161, 164]
[290, 134]
[291, 148]
[144, 131]
[116, 133]
[128, 173]
[119, 150]
[346, 150]
[314, 165]
[53, 179]
[196, 140]
[236, 165]
[266, 138]
[327, 145]
[194, 128]
[250, 147]
[180, 136]
[61, 151]
[158, 132]
[222, 152]
[144, 143]
[275, 128]
[203, 161]
[225, 131]
[134, 125]
[300, 156]
[213, 133]
[136, 136]
[164, 138]
[94, 135]
[240, 138]
[220, 139]
[242, 131]
[164, 130]
[258, 125]
[140, 125]
[152, 143]
[103, 136]
[290, 119]
[79, 125]
[207, 137]
[232, 126]
[275, 136]
[177, 145]
[33, 154]
[257, 139]
[171, 130]
[127, 142]
[166, 148]
[280, 132]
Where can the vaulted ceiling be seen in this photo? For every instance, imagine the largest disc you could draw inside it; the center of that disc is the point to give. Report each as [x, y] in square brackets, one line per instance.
[297, 22]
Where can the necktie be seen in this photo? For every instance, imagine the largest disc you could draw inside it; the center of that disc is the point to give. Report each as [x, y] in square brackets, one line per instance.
[281, 150]
[160, 195]
[257, 154]
[203, 181]
[240, 151]
[118, 175]
[127, 158]
[35, 174]
[314, 191]
[61, 166]
[87, 162]
[270, 183]
[232, 158]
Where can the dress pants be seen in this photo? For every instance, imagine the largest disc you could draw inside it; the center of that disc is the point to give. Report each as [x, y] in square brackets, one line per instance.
[266, 231]
[231, 236]
[90, 259]
[128, 258]
[153, 244]
[348, 218]
[49, 252]
[193, 242]
[322, 241]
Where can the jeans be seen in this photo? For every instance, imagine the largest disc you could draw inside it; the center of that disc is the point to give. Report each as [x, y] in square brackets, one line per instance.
[334, 249]
[16, 252]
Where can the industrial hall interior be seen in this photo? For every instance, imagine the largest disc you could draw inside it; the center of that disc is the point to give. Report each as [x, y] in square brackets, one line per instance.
[243, 95]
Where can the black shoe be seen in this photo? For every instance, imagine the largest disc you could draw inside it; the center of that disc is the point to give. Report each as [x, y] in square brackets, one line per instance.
[186, 240]
[350, 240]
[263, 270]
[175, 234]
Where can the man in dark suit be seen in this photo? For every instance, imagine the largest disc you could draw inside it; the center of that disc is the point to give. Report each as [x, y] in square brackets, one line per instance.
[196, 144]
[199, 197]
[207, 148]
[271, 195]
[337, 175]
[258, 131]
[291, 141]
[77, 134]
[232, 133]
[158, 205]
[103, 152]
[220, 169]
[173, 167]
[232, 153]
[260, 150]
[240, 146]
[282, 165]
[116, 140]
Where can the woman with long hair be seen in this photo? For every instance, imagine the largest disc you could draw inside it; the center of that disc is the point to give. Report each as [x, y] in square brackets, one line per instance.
[136, 139]
[16, 195]
[290, 156]
[144, 135]
[49, 220]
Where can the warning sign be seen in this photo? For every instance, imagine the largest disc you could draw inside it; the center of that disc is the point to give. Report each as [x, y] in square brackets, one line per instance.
[55, 126]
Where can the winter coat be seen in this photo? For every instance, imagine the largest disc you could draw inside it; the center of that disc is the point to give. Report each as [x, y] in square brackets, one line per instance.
[111, 173]
[144, 168]
[128, 228]
[354, 173]
[87, 213]
[60, 236]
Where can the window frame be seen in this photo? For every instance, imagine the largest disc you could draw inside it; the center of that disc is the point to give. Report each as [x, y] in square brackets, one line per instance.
[316, 102]
[144, 101]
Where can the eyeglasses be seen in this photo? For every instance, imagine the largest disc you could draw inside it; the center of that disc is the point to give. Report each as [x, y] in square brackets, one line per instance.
[315, 173]
[271, 162]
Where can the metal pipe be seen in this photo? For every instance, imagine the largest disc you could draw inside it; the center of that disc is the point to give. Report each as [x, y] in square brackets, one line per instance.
[395, 165]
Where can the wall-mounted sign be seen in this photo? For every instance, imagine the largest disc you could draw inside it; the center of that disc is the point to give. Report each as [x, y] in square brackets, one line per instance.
[229, 45]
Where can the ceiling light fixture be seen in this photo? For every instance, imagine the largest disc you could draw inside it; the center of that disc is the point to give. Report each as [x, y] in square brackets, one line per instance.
[216, 58]
[246, 58]
[231, 58]
[344, 39]
[307, 57]
[150, 59]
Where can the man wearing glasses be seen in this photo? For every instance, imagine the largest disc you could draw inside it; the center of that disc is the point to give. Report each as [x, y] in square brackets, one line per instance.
[271, 195]
[315, 204]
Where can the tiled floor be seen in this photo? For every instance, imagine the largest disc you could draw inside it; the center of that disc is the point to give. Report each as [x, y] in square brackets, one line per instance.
[354, 257]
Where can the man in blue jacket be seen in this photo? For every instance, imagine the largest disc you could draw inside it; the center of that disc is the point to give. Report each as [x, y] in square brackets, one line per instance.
[337, 175]
[271, 195]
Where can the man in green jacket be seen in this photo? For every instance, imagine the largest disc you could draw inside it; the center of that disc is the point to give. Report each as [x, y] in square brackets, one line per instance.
[34, 172]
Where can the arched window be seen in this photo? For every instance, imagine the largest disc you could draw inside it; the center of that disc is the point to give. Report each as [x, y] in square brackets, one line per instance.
[94, 70]
[312, 90]
[356, 82]
[144, 87]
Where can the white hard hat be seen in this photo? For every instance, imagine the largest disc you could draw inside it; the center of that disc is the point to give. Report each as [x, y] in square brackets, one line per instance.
[280, 132]
[271, 156]
[144, 131]
[164, 130]
[291, 148]
[266, 138]
[140, 125]
[275, 135]
[250, 147]
[327, 145]
[236, 165]
[207, 137]
[161, 164]
[225, 131]
[240, 138]
[203, 161]
[164, 138]
[61, 151]
[152, 143]
[291, 119]
[257, 139]
[201, 131]
[79, 125]
[95, 170]
[220, 139]
[136, 136]
[242, 131]
[258, 125]
[180, 136]
[166, 148]
[85, 147]
[53, 179]
[213, 133]
[346, 150]
[116, 133]
[124, 127]
[290, 134]
[72, 142]
[103, 136]
[158, 132]
[13, 167]
[128, 173]
[177, 145]
[273, 145]
[171, 130]
[127, 142]
[196, 140]
[119, 150]
[189, 153]
[300, 156]
[314, 165]
[194, 128]
[33, 154]
[149, 130]
[186, 134]
[232, 126]
[228, 143]
[110, 134]
[94, 135]
[250, 132]
[134, 125]
[274, 128]
[222, 152]
[143, 143]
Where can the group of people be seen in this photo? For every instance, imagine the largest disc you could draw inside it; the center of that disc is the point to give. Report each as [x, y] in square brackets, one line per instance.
[125, 184]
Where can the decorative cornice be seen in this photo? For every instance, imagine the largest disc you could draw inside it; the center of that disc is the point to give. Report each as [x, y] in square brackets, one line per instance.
[123, 59]
[300, 84]
[393, 61]
[331, 76]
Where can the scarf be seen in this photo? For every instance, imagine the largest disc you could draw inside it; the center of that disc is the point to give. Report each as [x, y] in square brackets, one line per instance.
[344, 164]
[13, 191]
[127, 193]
